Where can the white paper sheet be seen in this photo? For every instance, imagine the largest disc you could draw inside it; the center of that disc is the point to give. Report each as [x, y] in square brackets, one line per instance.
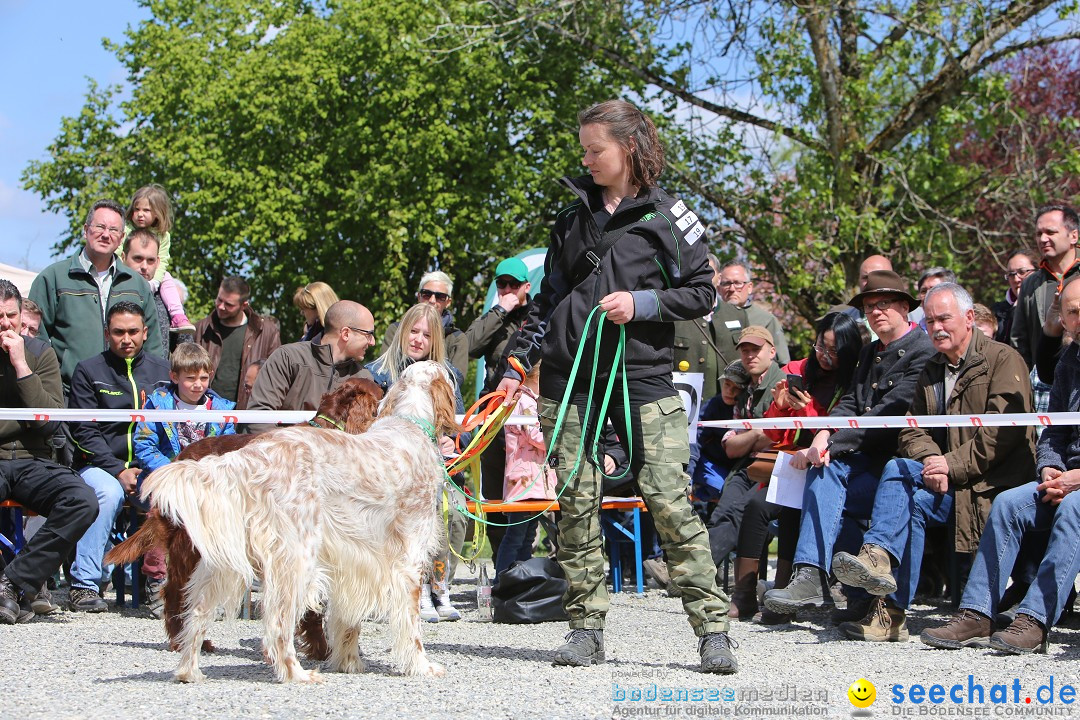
[786, 483]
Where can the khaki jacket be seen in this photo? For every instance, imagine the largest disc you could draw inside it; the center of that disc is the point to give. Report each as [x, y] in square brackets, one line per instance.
[261, 338]
[982, 461]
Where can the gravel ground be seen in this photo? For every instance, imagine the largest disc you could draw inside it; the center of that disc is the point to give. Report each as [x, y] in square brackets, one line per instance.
[116, 664]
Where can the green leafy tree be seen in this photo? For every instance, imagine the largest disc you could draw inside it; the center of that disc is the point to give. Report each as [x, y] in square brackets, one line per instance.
[336, 141]
[813, 133]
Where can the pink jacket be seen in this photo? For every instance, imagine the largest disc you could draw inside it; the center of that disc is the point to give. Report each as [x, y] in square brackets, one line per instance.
[525, 452]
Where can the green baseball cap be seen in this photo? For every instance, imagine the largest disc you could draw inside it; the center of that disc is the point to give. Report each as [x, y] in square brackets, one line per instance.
[513, 267]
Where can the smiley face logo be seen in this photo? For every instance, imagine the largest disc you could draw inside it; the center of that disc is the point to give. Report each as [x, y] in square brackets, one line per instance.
[862, 693]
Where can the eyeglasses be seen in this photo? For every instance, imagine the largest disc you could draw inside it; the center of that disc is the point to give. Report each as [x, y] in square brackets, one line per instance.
[881, 305]
[512, 284]
[428, 294]
[369, 333]
[100, 229]
[734, 284]
[826, 351]
[1021, 273]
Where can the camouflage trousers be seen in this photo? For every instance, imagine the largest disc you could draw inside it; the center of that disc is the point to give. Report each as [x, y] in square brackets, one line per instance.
[660, 449]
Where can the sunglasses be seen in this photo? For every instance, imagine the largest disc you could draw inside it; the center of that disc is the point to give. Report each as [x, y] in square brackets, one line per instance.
[428, 294]
[512, 284]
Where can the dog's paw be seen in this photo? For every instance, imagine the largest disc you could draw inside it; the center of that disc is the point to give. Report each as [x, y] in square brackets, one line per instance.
[306, 677]
[350, 665]
[191, 675]
[426, 668]
[435, 670]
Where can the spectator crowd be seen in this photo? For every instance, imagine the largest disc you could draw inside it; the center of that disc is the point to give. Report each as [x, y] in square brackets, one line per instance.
[107, 328]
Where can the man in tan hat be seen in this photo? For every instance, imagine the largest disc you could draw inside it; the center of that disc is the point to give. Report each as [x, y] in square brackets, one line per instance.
[758, 356]
[845, 466]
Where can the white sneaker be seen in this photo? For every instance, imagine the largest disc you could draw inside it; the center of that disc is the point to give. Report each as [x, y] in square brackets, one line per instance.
[445, 609]
[428, 613]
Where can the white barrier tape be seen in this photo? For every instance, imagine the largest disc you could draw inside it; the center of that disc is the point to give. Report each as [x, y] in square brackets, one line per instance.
[285, 417]
[899, 421]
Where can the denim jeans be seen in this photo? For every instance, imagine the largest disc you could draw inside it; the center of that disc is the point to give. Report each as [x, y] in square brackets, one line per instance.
[845, 485]
[903, 508]
[86, 570]
[1013, 513]
[517, 540]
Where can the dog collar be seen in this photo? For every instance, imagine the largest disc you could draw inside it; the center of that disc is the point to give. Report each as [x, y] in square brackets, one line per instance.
[423, 424]
[333, 422]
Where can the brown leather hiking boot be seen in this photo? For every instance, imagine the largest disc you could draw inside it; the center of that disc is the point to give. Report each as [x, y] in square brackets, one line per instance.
[966, 628]
[1025, 635]
[870, 570]
[883, 623]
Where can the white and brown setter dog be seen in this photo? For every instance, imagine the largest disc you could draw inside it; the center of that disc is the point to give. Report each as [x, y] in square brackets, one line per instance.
[343, 523]
[350, 407]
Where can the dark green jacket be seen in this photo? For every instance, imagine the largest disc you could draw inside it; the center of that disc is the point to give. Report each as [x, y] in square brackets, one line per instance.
[21, 439]
[691, 346]
[72, 317]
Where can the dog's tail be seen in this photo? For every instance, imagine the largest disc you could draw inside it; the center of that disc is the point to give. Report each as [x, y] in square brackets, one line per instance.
[147, 537]
[201, 496]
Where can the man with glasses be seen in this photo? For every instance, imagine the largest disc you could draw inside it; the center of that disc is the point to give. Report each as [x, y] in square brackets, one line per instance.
[930, 278]
[1020, 264]
[296, 375]
[736, 287]
[436, 288]
[845, 465]
[487, 337]
[941, 476]
[235, 336]
[75, 294]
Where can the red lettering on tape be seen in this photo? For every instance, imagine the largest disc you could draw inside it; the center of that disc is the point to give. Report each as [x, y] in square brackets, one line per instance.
[747, 425]
[912, 422]
[231, 419]
[41, 418]
[853, 423]
[138, 418]
[798, 424]
[1045, 420]
[977, 421]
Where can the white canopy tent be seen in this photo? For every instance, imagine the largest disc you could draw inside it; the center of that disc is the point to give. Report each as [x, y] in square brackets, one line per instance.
[21, 278]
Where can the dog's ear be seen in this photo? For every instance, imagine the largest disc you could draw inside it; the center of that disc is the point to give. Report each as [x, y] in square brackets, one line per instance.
[442, 399]
[364, 405]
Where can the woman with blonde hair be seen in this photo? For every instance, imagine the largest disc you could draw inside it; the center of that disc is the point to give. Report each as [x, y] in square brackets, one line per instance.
[419, 337]
[313, 300]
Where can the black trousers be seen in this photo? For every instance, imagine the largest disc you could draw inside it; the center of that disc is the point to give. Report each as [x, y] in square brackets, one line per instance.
[58, 494]
[726, 518]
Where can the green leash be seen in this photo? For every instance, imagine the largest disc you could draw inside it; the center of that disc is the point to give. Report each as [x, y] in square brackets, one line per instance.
[619, 362]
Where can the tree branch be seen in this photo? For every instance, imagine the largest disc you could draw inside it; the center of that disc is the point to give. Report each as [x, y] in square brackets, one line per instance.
[950, 79]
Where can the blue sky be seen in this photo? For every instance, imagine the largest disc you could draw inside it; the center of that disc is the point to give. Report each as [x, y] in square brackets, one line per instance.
[47, 50]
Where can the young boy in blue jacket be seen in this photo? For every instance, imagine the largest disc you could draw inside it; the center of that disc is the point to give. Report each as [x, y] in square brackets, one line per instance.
[157, 443]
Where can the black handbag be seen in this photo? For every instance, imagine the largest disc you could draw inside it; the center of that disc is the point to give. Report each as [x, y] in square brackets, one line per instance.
[530, 591]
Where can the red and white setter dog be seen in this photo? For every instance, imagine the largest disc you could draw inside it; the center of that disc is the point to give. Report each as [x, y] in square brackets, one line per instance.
[350, 407]
[343, 523]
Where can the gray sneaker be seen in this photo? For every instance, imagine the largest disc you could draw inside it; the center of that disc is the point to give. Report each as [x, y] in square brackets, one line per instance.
[86, 600]
[42, 603]
[155, 601]
[807, 587]
[716, 654]
[582, 648]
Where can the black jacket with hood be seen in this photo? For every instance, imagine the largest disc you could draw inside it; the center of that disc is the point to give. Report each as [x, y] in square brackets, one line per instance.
[661, 260]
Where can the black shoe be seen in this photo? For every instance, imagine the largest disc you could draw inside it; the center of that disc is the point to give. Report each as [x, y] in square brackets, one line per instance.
[86, 600]
[583, 647]
[9, 601]
[856, 610]
[716, 654]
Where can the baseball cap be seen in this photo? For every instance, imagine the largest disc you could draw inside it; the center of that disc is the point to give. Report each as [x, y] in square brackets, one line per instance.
[755, 335]
[512, 267]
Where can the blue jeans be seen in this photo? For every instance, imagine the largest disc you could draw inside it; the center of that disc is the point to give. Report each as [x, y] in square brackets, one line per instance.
[1013, 513]
[844, 485]
[517, 541]
[86, 570]
[903, 508]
